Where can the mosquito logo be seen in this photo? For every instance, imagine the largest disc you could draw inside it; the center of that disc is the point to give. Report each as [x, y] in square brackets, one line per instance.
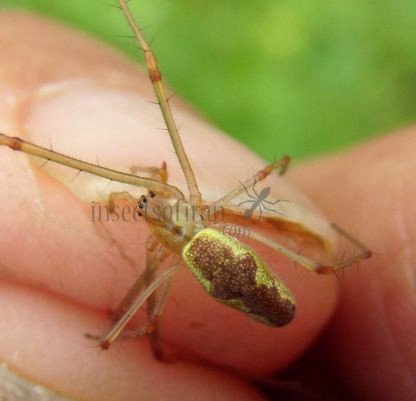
[259, 201]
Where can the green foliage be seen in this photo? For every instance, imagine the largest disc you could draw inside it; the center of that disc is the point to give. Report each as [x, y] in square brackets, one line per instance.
[298, 77]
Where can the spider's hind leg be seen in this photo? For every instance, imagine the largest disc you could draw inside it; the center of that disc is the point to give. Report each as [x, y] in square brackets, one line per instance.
[312, 264]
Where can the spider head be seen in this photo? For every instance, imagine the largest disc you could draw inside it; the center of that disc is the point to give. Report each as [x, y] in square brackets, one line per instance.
[144, 202]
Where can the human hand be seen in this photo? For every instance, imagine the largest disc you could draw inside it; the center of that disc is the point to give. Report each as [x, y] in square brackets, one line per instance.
[59, 271]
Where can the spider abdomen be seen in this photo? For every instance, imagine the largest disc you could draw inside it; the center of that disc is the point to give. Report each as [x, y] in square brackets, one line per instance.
[234, 274]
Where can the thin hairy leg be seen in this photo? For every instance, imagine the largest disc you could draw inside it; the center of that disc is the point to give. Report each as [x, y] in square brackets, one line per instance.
[314, 265]
[111, 336]
[280, 165]
[159, 89]
[112, 175]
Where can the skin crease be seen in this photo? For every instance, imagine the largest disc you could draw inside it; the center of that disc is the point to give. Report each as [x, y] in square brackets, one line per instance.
[59, 282]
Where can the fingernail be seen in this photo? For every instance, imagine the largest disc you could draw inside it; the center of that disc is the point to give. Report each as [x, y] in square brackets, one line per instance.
[15, 387]
[94, 122]
[117, 127]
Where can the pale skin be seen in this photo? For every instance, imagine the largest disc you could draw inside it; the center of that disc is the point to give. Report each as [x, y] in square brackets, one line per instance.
[54, 350]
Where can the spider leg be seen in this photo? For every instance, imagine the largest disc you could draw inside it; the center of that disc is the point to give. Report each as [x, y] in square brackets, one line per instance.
[311, 264]
[151, 327]
[112, 175]
[159, 89]
[107, 339]
[155, 255]
[155, 302]
[280, 165]
[138, 285]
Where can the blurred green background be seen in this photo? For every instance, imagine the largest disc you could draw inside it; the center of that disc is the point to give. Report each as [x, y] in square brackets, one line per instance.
[298, 77]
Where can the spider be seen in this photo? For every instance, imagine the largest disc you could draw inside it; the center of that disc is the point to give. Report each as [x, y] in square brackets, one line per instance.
[230, 271]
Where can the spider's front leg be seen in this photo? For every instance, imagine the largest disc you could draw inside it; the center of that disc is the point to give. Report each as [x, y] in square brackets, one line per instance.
[160, 92]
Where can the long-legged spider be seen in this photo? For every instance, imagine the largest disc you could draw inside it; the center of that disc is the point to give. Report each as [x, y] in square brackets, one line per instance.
[229, 270]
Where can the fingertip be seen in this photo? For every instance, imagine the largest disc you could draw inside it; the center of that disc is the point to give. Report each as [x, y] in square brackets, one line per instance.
[371, 336]
[43, 341]
[96, 112]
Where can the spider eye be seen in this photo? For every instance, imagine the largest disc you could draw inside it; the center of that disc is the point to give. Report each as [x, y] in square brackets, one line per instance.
[152, 194]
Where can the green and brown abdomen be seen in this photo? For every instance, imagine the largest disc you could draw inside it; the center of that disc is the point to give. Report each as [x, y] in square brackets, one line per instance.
[234, 274]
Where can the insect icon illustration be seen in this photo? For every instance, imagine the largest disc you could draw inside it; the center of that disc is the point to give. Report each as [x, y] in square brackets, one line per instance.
[259, 201]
